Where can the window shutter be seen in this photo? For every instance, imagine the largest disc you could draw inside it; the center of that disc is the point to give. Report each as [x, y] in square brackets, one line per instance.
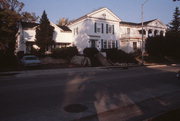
[102, 43]
[116, 44]
[113, 28]
[107, 28]
[95, 26]
[102, 25]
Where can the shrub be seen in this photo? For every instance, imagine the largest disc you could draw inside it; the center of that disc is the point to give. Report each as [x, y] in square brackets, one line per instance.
[7, 60]
[120, 56]
[91, 52]
[20, 54]
[64, 53]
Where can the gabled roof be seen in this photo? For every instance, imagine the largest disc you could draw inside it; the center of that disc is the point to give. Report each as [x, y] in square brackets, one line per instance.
[65, 28]
[93, 12]
[147, 22]
[137, 24]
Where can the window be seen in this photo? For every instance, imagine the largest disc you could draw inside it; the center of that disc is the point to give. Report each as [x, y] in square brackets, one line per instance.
[109, 44]
[135, 45]
[105, 44]
[113, 44]
[97, 27]
[101, 43]
[128, 30]
[98, 30]
[110, 29]
[77, 31]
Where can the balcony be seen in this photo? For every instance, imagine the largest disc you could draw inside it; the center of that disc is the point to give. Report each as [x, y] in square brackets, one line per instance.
[131, 36]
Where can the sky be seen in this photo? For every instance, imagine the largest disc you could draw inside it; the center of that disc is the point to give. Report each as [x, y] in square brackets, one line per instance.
[126, 10]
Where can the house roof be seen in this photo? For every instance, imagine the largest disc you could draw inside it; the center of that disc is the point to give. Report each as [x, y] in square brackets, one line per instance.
[88, 14]
[136, 24]
[147, 22]
[65, 28]
[129, 23]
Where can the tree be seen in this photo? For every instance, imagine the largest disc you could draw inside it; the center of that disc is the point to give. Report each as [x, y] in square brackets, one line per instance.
[9, 17]
[13, 5]
[155, 46]
[63, 21]
[29, 17]
[175, 23]
[44, 34]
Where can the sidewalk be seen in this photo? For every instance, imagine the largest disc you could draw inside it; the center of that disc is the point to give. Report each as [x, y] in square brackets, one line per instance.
[74, 69]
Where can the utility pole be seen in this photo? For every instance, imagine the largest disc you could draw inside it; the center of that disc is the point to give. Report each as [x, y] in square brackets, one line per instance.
[142, 31]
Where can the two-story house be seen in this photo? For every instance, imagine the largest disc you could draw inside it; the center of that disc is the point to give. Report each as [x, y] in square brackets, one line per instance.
[99, 29]
[131, 33]
[62, 37]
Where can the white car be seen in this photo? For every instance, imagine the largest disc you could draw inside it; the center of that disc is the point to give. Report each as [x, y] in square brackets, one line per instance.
[30, 60]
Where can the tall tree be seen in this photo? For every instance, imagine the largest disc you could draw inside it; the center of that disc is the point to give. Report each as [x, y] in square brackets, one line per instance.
[44, 34]
[9, 17]
[175, 23]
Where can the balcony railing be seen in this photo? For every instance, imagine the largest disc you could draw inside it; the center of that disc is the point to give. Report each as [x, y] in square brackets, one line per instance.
[129, 36]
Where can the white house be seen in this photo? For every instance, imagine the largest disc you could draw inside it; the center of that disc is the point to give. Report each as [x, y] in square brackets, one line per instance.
[101, 29]
[131, 33]
[27, 31]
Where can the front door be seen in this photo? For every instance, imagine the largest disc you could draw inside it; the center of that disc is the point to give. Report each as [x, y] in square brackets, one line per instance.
[93, 43]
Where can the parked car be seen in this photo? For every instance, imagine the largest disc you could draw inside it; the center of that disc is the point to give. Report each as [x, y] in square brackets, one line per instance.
[30, 60]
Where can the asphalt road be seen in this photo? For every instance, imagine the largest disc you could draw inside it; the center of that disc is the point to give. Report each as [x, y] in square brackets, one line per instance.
[132, 94]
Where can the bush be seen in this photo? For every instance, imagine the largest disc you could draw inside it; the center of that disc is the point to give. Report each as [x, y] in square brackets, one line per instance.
[91, 52]
[120, 56]
[20, 54]
[8, 60]
[64, 53]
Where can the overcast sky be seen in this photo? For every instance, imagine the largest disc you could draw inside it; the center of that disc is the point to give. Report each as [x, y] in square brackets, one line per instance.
[127, 10]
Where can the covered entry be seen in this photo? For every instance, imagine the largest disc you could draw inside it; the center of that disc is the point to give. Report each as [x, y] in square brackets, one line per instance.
[93, 41]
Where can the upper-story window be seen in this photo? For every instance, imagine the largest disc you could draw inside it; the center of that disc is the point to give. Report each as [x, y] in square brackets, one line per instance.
[76, 31]
[128, 30]
[97, 27]
[110, 29]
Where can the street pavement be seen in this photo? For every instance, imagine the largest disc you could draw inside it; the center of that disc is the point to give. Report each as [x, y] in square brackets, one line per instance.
[109, 94]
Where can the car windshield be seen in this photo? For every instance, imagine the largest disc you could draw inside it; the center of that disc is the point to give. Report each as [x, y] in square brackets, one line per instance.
[30, 58]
